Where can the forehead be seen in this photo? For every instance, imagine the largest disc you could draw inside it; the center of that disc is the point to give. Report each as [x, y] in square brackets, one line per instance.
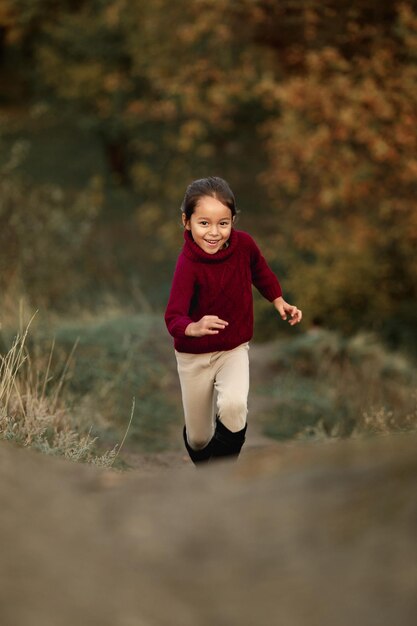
[211, 207]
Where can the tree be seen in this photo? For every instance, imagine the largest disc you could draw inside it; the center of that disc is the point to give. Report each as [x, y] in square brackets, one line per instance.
[342, 151]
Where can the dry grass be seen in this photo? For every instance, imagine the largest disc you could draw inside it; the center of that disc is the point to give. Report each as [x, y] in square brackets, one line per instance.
[324, 385]
[33, 412]
[377, 421]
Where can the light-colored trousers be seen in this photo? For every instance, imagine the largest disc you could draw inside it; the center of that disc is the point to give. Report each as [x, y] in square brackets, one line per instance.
[213, 383]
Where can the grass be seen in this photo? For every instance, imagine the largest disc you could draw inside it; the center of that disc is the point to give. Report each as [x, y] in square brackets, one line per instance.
[324, 385]
[32, 409]
[117, 358]
[71, 398]
[112, 358]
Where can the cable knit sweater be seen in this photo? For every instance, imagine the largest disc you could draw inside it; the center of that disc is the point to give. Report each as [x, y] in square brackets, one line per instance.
[218, 284]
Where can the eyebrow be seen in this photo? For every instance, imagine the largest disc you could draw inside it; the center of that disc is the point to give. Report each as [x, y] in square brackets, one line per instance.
[222, 219]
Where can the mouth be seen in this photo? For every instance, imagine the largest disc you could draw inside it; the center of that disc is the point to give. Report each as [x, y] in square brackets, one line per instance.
[212, 242]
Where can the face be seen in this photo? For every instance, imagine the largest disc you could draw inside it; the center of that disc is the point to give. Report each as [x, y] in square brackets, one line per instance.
[210, 224]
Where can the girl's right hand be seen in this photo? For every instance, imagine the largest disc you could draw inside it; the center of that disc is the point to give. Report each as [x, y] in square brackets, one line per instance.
[208, 325]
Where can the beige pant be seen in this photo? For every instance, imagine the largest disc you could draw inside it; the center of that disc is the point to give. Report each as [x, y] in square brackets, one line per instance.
[213, 383]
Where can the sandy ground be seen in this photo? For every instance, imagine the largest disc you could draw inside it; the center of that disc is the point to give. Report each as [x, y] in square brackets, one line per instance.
[301, 534]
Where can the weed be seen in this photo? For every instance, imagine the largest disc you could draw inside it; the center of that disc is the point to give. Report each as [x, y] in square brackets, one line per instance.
[32, 411]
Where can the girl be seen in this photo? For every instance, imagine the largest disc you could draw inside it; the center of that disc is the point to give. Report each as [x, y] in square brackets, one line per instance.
[210, 316]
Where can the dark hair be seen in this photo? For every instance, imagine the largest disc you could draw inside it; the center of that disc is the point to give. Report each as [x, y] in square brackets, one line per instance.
[212, 186]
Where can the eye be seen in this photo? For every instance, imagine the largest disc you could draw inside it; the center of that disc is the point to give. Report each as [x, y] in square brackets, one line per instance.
[224, 223]
[203, 223]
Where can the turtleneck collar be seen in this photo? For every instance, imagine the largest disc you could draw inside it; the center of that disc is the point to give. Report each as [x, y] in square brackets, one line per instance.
[194, 252]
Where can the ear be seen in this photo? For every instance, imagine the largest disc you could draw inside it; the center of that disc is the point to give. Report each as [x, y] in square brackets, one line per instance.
[185, 222]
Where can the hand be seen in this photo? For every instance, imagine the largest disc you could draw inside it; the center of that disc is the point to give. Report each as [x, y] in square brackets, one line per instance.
[208, 325]
[283, 308]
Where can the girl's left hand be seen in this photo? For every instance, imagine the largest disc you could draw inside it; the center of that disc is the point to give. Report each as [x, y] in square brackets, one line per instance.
[283, 308]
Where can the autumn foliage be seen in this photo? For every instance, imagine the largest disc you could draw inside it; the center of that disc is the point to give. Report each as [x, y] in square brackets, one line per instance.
[315, 104]
[343, 152]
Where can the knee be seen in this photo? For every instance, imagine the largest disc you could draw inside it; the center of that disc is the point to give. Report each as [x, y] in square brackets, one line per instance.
[233, 412]
[197, 442]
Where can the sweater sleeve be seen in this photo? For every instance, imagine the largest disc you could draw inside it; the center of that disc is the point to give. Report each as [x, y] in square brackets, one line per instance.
[263, 277]
[182, 288]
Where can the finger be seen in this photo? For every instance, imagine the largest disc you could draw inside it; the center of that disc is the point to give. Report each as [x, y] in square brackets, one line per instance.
[222, 321]
[297, 318]
[214, 318]
[215, 326]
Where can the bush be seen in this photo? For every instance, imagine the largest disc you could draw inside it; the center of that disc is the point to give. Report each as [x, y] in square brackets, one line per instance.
[43, 234]
[327, 385]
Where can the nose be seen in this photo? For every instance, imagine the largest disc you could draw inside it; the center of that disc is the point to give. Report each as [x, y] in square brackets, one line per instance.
[213, 230]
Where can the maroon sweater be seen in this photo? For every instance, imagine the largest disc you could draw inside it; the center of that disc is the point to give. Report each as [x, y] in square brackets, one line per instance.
[218, 284]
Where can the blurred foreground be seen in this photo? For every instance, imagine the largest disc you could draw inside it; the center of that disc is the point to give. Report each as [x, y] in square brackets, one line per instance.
[298, 534]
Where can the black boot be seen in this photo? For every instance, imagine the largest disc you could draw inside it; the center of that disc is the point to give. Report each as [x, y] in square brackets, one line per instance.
[198, 456]
[226, 443]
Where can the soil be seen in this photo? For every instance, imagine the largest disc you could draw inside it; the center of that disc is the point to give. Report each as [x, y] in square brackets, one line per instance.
[301, 534]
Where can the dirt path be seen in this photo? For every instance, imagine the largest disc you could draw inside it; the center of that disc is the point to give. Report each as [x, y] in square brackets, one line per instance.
[319, 534]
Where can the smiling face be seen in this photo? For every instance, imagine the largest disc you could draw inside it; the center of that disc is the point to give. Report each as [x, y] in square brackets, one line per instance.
[210, 224]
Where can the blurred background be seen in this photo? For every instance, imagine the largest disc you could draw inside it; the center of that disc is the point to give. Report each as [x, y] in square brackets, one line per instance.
[110, 108]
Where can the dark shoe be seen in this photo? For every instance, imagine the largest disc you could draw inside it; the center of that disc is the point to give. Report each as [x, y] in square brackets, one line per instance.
[226, 443]
[197, 456]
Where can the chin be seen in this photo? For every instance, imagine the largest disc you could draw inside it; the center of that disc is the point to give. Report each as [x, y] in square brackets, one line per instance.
[213, 250]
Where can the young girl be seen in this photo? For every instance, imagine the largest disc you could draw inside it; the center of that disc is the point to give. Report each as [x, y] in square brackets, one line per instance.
[210, 316]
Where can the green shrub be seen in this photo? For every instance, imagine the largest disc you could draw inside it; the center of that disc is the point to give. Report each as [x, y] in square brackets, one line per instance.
[326, 385]
[116, 359]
